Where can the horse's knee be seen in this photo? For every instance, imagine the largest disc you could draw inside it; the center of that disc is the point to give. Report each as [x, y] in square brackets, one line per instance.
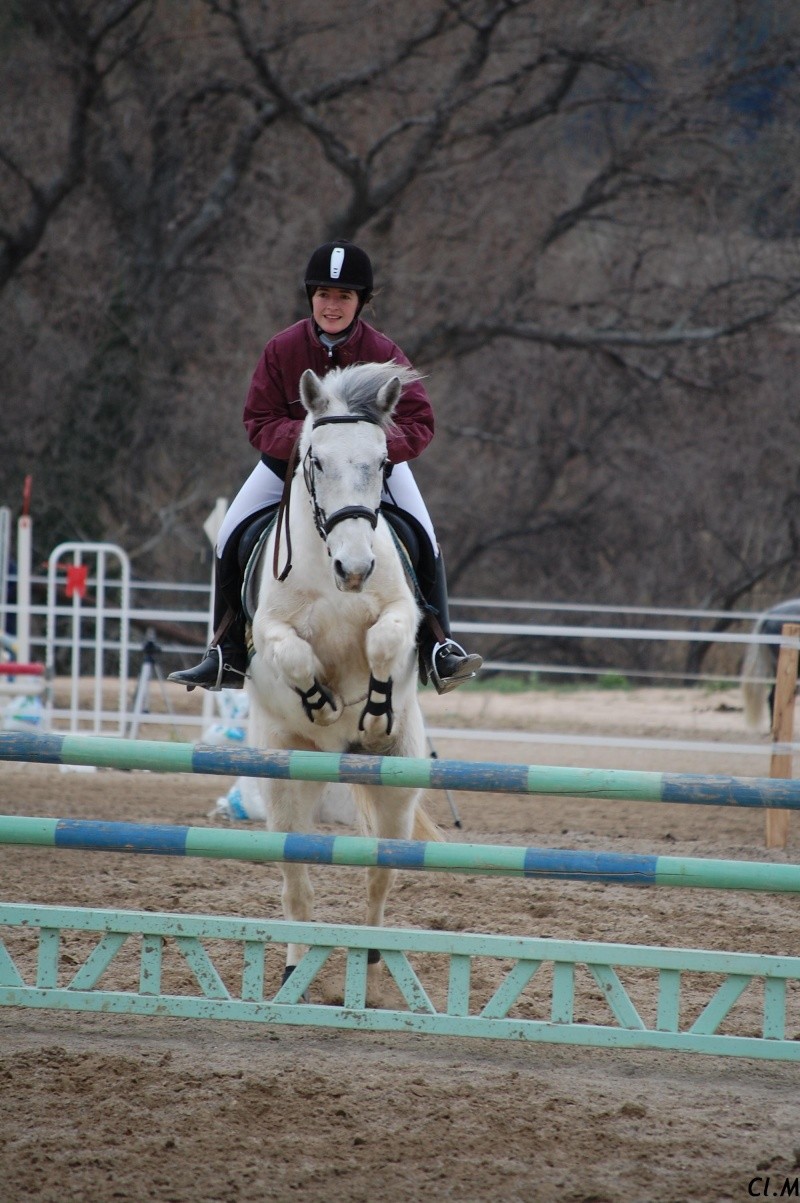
[387, 642]
[294, 660]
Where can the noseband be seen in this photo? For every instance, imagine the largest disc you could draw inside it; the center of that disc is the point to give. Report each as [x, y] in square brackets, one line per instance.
[323, 524]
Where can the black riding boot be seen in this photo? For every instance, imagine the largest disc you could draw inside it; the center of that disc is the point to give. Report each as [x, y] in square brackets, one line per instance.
[224, 665]
[442, 660]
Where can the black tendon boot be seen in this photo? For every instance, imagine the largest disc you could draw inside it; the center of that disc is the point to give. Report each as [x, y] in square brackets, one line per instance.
[225, 663]
[444, 661]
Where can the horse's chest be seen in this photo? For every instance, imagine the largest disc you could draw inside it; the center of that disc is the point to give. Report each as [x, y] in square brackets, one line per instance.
[337, 632]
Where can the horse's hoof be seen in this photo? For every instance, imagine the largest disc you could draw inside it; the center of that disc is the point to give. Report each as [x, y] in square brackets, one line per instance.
[376, 984]
[287, 973]
[373, 734]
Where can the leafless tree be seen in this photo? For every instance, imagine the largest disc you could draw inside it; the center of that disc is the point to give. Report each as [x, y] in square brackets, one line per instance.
[584, 222]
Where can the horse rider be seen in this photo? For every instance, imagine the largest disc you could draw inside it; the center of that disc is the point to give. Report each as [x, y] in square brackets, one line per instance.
[338, 283]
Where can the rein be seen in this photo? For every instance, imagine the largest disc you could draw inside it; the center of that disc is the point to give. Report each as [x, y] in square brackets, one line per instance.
[283, 518]
[323, 524]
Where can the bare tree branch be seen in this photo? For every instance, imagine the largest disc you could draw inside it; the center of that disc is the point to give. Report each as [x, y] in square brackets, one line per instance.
[461, 339]
[86, 45]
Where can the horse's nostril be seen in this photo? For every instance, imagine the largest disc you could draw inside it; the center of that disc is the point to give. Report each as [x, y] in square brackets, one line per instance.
[353, 578]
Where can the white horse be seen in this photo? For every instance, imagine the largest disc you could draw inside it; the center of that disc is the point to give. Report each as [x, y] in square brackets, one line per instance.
[760, 662]
[334, 631]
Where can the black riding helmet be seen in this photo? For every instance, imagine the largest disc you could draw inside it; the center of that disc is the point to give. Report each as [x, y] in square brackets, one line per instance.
[340, 265]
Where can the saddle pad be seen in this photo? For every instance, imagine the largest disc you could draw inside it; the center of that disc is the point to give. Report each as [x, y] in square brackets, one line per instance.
[411, 534]
[252, 571]
[414, 544]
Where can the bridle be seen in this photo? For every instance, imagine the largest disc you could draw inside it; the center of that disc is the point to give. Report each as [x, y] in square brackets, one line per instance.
[324, 523]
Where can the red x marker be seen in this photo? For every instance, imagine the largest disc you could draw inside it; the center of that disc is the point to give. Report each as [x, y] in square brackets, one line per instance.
[76, 579]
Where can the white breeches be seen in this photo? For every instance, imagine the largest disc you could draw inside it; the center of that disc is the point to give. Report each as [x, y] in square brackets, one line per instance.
[263, 488]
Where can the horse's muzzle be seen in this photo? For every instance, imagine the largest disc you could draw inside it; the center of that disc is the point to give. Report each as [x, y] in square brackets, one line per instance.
[351, 580]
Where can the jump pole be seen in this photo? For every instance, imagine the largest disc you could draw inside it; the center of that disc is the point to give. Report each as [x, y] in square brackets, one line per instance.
[493, 860]
[419, 773]
[214, 1000]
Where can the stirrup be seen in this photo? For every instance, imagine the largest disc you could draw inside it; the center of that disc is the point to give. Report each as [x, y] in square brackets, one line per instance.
[213, 673]
[465, 669]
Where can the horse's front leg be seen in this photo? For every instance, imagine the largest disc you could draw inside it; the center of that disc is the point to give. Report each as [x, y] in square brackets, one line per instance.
[293, 659]
[391, 648]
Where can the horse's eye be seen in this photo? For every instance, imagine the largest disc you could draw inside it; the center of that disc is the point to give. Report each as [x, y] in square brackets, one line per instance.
[316, 465]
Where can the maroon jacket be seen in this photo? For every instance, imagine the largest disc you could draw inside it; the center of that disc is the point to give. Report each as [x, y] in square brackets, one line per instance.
[274, 415]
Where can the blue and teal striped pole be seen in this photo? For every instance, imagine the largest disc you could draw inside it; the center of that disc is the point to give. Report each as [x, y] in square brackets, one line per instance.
[619, 784]
[499, 860]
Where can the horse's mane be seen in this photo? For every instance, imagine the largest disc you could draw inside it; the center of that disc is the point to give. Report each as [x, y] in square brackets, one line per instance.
[356, 387]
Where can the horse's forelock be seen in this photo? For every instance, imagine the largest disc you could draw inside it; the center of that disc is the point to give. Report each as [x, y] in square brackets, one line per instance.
[357, 387]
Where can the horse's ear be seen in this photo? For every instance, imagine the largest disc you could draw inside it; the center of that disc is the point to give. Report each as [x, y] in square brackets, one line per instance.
[388, 396]
[311, 392]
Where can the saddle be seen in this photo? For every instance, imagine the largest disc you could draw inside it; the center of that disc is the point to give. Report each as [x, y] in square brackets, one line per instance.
[412, 542]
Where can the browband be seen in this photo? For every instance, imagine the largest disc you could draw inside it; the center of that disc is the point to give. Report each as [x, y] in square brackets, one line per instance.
[333, 418]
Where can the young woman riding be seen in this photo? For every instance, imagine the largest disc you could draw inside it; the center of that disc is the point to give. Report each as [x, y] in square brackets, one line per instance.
[339, 283]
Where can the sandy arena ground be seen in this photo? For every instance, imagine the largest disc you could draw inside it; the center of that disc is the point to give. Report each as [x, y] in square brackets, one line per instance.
[97, 1108]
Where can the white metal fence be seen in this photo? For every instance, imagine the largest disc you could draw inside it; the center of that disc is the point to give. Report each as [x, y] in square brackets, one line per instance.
[114, 641]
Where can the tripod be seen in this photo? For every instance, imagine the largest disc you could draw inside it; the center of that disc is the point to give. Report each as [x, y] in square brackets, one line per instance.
[453, 807]
[150, 668]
